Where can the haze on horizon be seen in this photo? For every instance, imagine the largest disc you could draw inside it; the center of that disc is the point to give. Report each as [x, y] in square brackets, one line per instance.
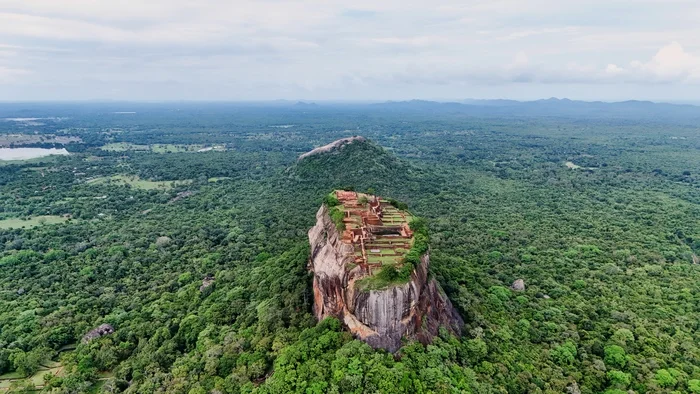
[362, 50]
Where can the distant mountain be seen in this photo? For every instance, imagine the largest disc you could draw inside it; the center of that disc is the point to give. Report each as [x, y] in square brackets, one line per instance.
[554, 107]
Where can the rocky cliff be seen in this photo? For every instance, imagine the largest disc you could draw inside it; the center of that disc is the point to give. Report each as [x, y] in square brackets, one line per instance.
[415, 309]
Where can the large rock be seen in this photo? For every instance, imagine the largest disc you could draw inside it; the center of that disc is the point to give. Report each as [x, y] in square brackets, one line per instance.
[335, 145]
[100, 331]
[416, 309]
[518, 285]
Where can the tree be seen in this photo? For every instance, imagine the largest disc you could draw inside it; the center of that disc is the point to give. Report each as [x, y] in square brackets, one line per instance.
[666, 377]
[26, 364]
[694, 386]
[615, 356]
[619, 379]
[564, 354]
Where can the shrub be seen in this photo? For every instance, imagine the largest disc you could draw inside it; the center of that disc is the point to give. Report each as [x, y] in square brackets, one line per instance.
[331, 200]
[337, 217]
[388, 273]
[420, 242]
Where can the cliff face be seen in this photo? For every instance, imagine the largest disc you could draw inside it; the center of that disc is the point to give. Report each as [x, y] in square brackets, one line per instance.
[415, 309]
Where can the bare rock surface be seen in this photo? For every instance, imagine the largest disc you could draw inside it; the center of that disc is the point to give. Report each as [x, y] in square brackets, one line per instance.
[206, 282]
[416, 309]
[332, 146]
[518, 285]
[100, 331]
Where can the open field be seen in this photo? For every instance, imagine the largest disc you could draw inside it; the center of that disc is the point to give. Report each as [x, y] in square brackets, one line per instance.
[125, 146]
[32, 222]
[218, 179]
[51, 368]
[138, 183]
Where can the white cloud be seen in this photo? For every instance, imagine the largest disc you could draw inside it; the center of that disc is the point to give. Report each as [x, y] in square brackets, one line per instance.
[276, 47]
[670, 64]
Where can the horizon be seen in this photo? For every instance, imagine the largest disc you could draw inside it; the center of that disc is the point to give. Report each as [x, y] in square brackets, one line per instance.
[339, 101]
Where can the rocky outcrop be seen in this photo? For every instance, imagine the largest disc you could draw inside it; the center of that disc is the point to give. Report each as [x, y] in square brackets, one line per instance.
[100, 331]
[332, 146]
[518, 285]
[415, 309]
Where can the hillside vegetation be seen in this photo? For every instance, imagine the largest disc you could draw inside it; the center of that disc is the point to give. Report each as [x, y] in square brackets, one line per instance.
[606, 251]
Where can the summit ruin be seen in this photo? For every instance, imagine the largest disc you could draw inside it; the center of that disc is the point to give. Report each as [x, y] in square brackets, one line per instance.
[370, 263]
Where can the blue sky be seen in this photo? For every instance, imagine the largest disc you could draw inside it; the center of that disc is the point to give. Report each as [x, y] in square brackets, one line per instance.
[352, 50]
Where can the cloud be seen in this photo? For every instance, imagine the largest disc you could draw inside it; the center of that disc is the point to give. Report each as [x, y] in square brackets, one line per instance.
[10, 75]
[277, 47]
[670, 64]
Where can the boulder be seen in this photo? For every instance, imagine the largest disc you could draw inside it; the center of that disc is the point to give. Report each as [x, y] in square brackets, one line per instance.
[100, 331]
[518, 285]
[206, 282]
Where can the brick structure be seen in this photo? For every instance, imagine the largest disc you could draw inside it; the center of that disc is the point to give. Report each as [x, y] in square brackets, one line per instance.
[378, 231]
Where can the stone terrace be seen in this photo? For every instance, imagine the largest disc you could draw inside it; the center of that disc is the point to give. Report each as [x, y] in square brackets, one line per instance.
[378, 231]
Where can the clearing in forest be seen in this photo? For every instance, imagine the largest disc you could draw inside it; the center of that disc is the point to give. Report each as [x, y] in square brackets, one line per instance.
[138, 183]
[32, 222]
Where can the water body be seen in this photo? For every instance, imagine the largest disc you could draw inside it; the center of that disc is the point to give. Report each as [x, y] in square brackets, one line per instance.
[29, 153]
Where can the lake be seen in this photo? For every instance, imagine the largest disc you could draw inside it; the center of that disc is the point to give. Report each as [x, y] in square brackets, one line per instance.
[29, 153]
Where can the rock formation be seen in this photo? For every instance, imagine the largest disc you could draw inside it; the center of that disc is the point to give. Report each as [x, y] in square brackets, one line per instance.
[100, 331]
[332, 146]
[415, 309]
[518, 285]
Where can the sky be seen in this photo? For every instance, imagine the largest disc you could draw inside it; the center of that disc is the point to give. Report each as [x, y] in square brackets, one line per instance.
[375, 50]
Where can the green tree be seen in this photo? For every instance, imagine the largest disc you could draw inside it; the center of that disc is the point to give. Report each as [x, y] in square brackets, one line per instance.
[619, 379]
[666, 378]
[615, 356]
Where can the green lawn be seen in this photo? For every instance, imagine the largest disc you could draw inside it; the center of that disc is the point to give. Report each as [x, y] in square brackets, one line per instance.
[218, 179]
[125, 146]
[32, 222]
[11, 375]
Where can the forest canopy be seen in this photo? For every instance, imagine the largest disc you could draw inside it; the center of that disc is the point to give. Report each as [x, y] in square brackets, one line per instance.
[197, 257]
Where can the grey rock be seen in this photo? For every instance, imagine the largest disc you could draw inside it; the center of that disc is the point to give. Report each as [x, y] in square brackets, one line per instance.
[518, 285]
[100, 331]
[333, 146]
[206, 282]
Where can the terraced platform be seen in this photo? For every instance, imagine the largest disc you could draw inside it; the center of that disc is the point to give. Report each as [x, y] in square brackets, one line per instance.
[378, 231]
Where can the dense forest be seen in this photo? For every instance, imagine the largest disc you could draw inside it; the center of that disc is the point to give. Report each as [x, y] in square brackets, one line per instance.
[184, 227]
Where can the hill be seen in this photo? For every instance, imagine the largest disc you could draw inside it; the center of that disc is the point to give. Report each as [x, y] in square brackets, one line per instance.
[351, 163]
[553, 107]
